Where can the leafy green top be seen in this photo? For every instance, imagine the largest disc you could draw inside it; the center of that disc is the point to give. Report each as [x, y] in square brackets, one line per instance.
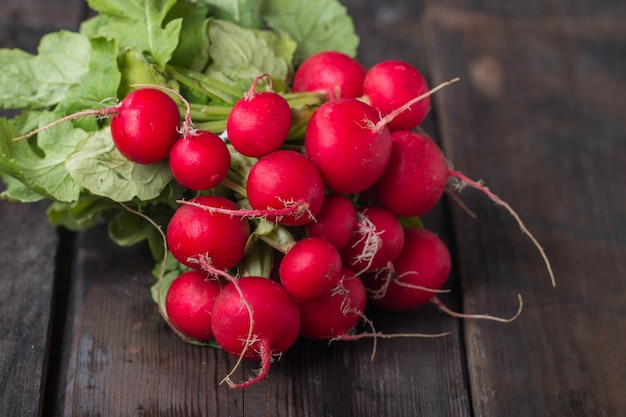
[207, 50]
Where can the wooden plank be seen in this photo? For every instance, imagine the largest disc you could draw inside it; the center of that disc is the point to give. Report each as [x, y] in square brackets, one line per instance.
[24, 22]
[26, 284]
[539, 115]
[122, 360]
[29, 244]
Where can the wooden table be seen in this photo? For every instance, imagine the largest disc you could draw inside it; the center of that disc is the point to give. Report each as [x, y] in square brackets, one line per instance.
[539, 115]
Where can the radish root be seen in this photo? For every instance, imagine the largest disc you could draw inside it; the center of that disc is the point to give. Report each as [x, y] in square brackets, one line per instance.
[460, 202]
[266, 360]
[479, 186]
[292, 208]
[100, 113]
[390, 275]
[206, 265]
[435, 300]
[370, 237]
[389, 117]
[346, 309]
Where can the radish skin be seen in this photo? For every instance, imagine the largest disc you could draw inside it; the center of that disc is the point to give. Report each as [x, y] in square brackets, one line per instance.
[274, 328]
[348, 147]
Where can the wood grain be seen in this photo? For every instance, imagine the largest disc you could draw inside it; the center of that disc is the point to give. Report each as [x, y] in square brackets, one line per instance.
[122, 359]
[26, 288]
[29, 246]
[539, 117]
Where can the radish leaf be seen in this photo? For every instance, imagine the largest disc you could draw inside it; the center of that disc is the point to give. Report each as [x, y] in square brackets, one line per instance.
[239, 54]
[140, 24]
[99, 167]
[37, 81]
[331, 29]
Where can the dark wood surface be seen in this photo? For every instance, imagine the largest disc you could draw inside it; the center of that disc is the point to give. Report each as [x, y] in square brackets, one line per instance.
[539, 115]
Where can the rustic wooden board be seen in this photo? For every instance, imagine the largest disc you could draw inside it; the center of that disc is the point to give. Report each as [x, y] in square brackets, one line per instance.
[29, 243]
[121, 359]
[539, 115]
[24, 22]
[26, 288]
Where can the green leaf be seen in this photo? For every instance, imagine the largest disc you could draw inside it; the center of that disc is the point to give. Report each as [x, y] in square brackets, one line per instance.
[239, 55]
[127, 229]
[315, 25]
[40, 165]
[139, 24]
[193, 47]
[79, 215]
[136, 69]
[411, 222]
[99, 167]
[246, 13]
[103, 78]
[98, 88]
[36, 81]
[17, 191]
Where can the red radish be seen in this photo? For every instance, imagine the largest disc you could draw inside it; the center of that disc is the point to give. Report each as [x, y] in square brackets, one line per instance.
[275, 321]
[259, 123]
[145, 125]
[286, 178]
[416, 176]
[310, 269]
[189, 303]
[377, 240]
[335, 221]
[335, 314]
[390, 84]
[421, 269]
[193, 232]
[348, 144]
[331, 72]
[200, 160]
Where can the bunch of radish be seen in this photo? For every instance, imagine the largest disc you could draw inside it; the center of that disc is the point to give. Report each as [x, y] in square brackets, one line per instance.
[339, 194]
[280, 238]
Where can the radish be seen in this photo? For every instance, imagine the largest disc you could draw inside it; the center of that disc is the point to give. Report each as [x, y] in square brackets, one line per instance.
[145, 125]
[310, 269]
[198, 232]
[377, 239]
[415, 178]
[335, 221]
[259, 123]
[200, 160]
[331, 72]
[272, 329]
[348, 144]
[335, 314]
[286, 179]
[390, 84]
[419, 271]
[189, 303]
